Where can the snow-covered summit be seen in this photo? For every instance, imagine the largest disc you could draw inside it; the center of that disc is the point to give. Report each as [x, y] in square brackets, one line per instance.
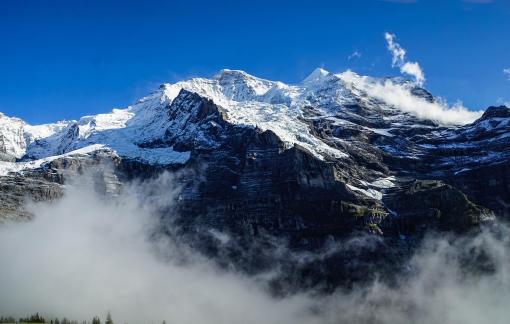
[16, 135]
[245, 100]
[318, 76]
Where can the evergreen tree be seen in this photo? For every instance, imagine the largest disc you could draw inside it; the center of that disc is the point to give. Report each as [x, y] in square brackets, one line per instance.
[108, 319]
[96, 320]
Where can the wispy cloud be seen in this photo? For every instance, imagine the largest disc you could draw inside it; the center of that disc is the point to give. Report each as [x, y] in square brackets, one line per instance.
[397, 52]
[398, 59]
[353, 55]
[507, 72]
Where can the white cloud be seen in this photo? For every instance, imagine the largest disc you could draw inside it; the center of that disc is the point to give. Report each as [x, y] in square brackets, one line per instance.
[355, 54]
[397, 52]
[507, 72]
[398, 59]
[84, 255]
[400, 97]
[413, 68]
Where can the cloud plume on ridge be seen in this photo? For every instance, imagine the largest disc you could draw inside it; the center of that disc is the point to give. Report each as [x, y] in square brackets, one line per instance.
[399, 96]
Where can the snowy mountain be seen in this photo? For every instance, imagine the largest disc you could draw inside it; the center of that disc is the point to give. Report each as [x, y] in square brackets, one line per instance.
[374, 128]
[245, 100]
[387, 125]
[311, 163]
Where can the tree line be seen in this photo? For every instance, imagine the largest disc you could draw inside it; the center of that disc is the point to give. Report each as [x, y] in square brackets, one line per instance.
[36, 318]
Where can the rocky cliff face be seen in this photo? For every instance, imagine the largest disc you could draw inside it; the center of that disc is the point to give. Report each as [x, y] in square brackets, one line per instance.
[334, 156]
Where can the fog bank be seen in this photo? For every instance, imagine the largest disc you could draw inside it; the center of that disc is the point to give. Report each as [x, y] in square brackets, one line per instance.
[86, 254]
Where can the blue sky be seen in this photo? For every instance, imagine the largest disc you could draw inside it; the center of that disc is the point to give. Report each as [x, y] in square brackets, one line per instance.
[65, 59]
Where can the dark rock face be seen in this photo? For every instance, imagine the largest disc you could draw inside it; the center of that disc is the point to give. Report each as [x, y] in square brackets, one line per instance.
[15, 191]
[262, 187]
[46, 184]
[252, 182]
[191, 112]
[488, 186]
[422, 204]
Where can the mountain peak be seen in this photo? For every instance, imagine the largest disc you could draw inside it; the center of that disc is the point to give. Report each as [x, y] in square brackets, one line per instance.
[228, 73]
[496, 112]
[318, 75]
[239, 85]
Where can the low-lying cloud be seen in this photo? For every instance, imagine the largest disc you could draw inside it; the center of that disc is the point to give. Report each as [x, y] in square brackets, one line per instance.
[84, 255]
[398, 59]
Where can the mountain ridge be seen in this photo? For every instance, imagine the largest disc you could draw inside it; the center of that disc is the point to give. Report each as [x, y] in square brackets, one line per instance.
[225, 88]
[331, 116]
